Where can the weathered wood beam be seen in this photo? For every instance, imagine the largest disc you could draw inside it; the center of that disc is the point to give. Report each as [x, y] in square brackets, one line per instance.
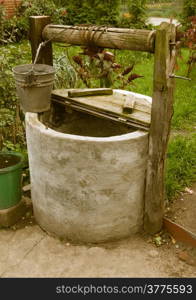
[114, 38]
[37, 24]
[162, 111]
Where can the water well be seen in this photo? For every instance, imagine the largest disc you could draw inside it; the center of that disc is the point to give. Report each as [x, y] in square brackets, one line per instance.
[88, 176]
[87, 172]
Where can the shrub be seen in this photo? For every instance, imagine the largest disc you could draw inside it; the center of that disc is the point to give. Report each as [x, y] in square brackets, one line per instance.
[189, 10]
[11, 118]
[17, 27]
[136, 15]
[98, 12]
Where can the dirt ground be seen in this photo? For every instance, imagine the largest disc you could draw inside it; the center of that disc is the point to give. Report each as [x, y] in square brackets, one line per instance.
[183, 209]
[27, 251]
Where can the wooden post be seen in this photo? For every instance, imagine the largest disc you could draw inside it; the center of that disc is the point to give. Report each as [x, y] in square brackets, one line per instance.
[162, 111]
[37, 24]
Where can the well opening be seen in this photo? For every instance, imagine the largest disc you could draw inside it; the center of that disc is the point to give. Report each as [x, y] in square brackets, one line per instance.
[80, 123]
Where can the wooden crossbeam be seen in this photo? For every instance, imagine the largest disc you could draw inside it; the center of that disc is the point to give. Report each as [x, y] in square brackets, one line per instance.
[114, 38]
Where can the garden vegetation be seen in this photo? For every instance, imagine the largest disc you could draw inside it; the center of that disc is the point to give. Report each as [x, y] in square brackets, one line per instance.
[15, 50]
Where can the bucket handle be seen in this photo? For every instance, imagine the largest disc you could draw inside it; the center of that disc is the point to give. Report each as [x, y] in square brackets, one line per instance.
[30, 79]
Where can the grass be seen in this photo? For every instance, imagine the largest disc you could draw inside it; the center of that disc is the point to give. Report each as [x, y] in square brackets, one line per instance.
[185, 97]
[181, 162]
[181, 159]
[164, 10]
[180, 169]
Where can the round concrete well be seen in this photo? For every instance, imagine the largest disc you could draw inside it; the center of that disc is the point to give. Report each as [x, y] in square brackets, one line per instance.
[87, 177]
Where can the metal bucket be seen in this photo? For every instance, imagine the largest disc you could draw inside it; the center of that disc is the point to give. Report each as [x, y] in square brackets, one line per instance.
[34, 83]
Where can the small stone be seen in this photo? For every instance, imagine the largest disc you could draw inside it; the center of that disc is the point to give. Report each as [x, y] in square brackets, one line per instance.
[28, 214]
[173, 240]
[189, 191]
[67, 244]
[153, 253]
[177, 246]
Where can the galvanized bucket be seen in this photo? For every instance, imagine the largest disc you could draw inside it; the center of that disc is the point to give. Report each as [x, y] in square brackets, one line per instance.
[34, 83]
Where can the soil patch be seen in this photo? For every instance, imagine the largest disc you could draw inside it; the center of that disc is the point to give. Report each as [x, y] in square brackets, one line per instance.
[183, 209]
[8, 160]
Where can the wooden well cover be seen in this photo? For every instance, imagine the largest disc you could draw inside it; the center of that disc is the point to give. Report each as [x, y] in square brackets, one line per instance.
[118, 105]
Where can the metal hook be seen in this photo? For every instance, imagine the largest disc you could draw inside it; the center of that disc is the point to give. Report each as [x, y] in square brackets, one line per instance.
[179, 77]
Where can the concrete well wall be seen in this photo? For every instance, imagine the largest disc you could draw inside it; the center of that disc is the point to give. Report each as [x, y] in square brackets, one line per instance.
[84, 188]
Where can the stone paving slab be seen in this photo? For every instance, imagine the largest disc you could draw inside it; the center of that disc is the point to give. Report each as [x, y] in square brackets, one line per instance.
[30, 252]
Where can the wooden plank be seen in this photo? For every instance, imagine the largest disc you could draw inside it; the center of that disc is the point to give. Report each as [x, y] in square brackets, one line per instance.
[128, 106]
[89, 92]
[37, 24]
[141, 104]
[130, 39]
[100, 113]
[162, 110]
[108, 103]
[180, 233]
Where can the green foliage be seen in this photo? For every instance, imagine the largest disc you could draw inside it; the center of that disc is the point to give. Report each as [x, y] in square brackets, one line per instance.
[136, 16]
[185, 95]
[189, 10]
[11, 118]
[17, 27]
[98, 12]
[66, 76]
[180, 158]
[38, 8]
[2, 16]
[181, 162]
[164, 8]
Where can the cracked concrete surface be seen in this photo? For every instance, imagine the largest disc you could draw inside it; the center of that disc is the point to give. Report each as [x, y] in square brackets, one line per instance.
[30, 252]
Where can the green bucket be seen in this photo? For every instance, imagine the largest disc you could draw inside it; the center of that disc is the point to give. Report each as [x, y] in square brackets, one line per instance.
[10, 179]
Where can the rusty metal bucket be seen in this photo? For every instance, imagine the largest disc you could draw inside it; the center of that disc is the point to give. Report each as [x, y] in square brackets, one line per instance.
[34, 83]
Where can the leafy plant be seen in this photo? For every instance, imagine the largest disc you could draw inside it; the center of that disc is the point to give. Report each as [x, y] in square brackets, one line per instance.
[96, 64]
[98, 12]
[17, 27]
[11, 118]
[189, 10]
[66, 76]
[136, 15]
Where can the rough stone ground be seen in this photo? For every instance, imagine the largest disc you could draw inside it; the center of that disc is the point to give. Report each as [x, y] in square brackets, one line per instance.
[27, 251]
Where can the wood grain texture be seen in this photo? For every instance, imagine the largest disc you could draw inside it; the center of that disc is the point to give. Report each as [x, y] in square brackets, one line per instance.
[37, 24]
[162, 111]
[115, 38]
[180, 233]
[109, 104]
[89, 92]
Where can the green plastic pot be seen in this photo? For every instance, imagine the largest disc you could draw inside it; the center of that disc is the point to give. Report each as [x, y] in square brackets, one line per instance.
[10, 179]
